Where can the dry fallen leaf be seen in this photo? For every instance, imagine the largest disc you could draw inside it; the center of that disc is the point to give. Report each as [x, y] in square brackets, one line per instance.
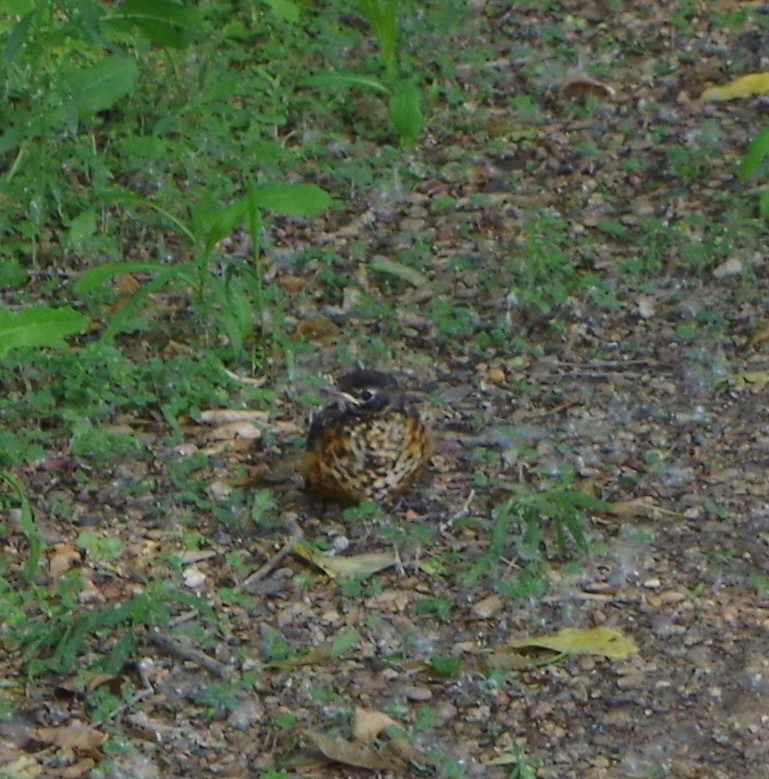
[728, 269]
[646, 306]
[386, 265]
[292, 283]
[580, 88]
[639, 507]
[70, 736]
[534, 651]
[22, 768]
[62, 558]
[753, 380]
[318, 329]
[355, 753]
[603, 641]
[357, 566]
[125, 284]
[369, 723]
[221, 416]
[760, 334]
[235, 430]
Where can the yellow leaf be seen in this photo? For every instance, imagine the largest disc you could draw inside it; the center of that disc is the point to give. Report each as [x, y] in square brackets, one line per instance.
[752, 84]
[386, 265]
[760, 334]
[755, 380]
[594, 641]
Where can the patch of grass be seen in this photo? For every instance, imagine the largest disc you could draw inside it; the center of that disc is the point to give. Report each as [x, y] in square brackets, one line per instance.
[438, 607]
[544, 270]
[75, 395]
[516, 535]
[56, 634]
[523, 766]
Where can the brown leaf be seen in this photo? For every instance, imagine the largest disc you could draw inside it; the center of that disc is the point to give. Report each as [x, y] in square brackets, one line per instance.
[318, 329]
[369, 723]
[234, 430]
[356, 753]
[82, 767]
[220, 416]
[580, 88]
[70, 736]
[292, 283]
[62, 558]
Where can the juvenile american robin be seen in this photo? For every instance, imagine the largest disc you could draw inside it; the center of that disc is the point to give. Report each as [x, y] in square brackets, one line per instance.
[370, 443]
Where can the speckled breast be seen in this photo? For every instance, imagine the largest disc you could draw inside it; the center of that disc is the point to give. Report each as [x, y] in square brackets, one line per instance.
[373, 456]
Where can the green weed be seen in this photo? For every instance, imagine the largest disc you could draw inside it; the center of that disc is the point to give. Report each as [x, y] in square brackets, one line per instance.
[400, 91]
[73, 394]
[18, 501]
[232, 310]
[55, 634]
[516, 534]
[523, 766]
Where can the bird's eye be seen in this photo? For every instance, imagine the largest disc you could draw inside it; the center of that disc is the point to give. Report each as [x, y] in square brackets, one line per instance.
[366, 395]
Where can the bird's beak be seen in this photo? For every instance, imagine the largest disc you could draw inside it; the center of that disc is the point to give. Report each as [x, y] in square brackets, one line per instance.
[341, 397]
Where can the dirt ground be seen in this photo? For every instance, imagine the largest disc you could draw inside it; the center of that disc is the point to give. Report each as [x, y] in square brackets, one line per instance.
[650, 392]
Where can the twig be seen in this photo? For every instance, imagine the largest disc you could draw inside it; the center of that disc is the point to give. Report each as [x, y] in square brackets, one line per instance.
[177, 649]
[465, 507]
[138, 698]
[260, 573]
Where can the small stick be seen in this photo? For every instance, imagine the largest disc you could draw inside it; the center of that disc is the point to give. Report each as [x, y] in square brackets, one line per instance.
[260, 573]
[177, 649]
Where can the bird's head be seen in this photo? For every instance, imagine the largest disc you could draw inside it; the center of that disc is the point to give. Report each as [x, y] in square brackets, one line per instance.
[367, 390]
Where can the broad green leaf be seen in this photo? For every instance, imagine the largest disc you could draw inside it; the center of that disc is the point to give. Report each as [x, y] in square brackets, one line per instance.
[81, 228]
[763, 204]
[294, 199]
[16, 38]
[38, 326]
[100, 86]
[284, 10]
[757, 151]
[162, 22]
[12, 274]
[343, 641]
[381, 15]
[223, 222]
[12, 137]
[405, 113]
[347, 80]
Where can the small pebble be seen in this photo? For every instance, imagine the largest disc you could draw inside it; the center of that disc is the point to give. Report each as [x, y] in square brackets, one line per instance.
[418, 693]
[488, 606]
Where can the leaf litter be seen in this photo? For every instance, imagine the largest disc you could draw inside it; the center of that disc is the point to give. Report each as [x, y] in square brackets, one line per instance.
[648, 396]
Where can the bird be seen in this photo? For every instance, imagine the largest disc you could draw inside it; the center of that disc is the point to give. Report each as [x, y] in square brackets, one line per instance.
[369, 443]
